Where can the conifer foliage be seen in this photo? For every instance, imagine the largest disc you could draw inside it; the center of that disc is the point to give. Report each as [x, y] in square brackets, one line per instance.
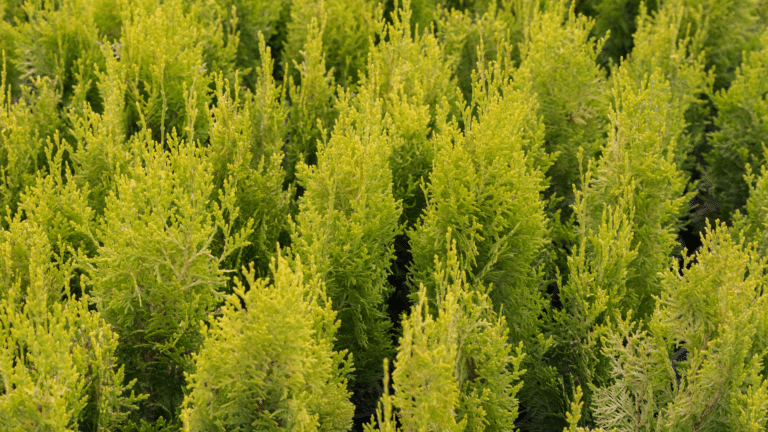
[347, 222]
[283, 215]
[462, 351]
[247, 373]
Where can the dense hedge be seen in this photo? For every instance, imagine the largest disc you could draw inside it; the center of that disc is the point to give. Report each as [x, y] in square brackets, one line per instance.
[535, 215]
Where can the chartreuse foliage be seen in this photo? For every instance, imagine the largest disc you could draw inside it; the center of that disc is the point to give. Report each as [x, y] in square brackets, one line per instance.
[59, 41]
[639, 160]
[461, 349]
[101, 148]
[665, 43]
[245, 142]
[312, 102]
[742, 127]
[59, 206]
[558, 60]
[716, 310]
[268, 362]
[628, 214]
[752, 224]
[596, 289]
[348, 28]
[728, 29]
[154, 277]
[25, 125]
[165, 71]
[413, 77]
[57, 360]
[485, 187]
[346, 226]
[150, 148]
[617, 20]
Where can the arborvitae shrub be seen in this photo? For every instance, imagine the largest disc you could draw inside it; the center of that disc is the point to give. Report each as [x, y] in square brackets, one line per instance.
[59, 40]
[742, 127]
[619, 17]
[558, 60]
[165, 71]
[154, 277]
[245, 142]
[596, 290]
[461, 349]
[268, 361]
[729, 29]
[242, 21]
[663, 41]
[639, 159]
[22, 141]
[752, 225]
[58, 368]
[467, 39]
[413, 76]
[348, 34]
[484, 188]
[346, 226]
[715, 310]
[58, 205]
[313, 110]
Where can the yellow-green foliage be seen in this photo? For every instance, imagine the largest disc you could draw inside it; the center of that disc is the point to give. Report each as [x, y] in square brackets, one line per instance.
[715, 310]
[165, 71]
[752, 224]
[25, 126]
[154, 276]
[413, 76]
[486, 190]
[346, 226]
[664, 43]
[639, 160]
[268, 362]
[312, 102]
[460, 348]
[58, 369]
[348, 28]
[728, 29]
[742, 128]
[156, 155]
[559, 61]
[246, 157]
